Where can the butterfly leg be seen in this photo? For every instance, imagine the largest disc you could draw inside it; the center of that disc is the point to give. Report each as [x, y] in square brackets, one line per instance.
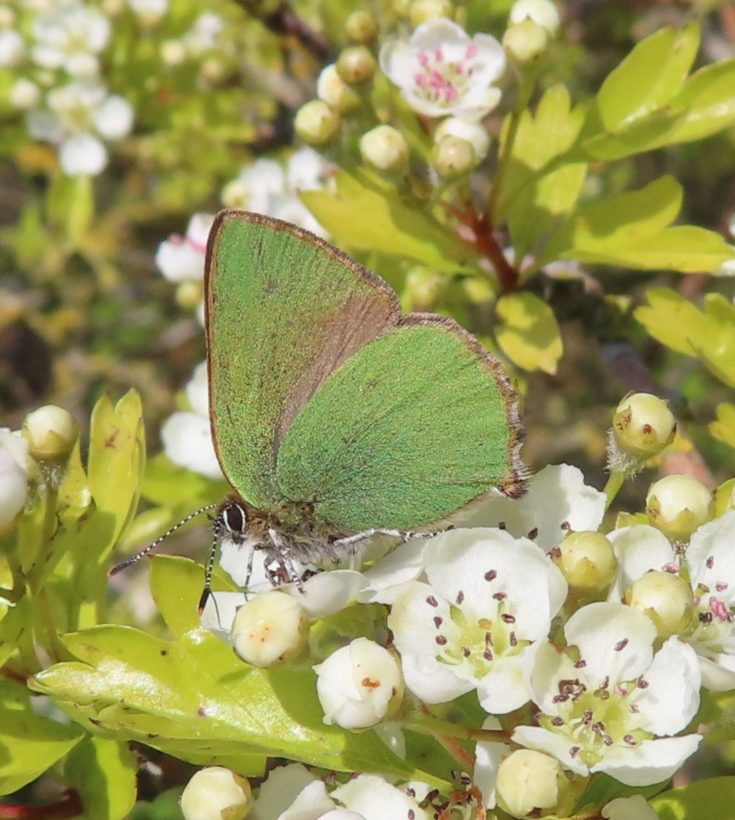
[283, 556]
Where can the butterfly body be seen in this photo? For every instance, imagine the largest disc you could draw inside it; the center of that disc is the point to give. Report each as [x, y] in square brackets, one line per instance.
[333, 413]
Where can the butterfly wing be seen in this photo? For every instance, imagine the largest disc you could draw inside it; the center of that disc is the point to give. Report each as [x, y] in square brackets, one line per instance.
[412, 427]
[283, 310]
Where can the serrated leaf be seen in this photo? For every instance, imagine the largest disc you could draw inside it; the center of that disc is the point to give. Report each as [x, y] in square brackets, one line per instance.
[708, 334]
[723, 428]
[529, 334]
[195, 691]
[648, 78]
[709, 799]
[104, 774]
[30, 743]
[362, 216]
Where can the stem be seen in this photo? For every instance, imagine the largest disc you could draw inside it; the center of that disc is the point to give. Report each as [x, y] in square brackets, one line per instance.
[615, 481]
[427, 724]
[68, 805]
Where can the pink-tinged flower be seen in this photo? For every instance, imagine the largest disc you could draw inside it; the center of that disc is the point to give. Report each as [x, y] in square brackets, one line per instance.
[182, 257]
[443, 71]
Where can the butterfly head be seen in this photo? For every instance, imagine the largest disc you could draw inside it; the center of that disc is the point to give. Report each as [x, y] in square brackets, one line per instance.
[232, 521]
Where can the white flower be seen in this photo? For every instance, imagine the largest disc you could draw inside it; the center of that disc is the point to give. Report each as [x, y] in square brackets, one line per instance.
[12, 48]
[373, 798]
[266, 187]
[473, 132]
[709, 566]
[488, 599]
[182, 257]
[291, 793]
[359, 685]
[557, 502]
[614, 707]
[149, 11]
[204, 33]
[629, 808]
[24, 94]
[70, 37]
[14, 466]
[542, 12]
[78, 114]
[187, 436]
[442, 71]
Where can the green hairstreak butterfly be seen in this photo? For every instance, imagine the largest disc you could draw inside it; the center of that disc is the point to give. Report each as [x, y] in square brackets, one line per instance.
[334, 415]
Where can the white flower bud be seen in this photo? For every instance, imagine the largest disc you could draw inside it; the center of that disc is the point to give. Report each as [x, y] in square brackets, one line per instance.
[587, 561]
[361, 26]
[423, 10]
[528, 781]
[667, 600]
[189, 294]
[270, 629]
[474, 132]
[173, 52]
[316, 123]
[341, 814]
[214, 793]
[334, 91]
[525, 41]
[542, 12]
[453, 157]
[14, 467]
[643, 425]
[678, 504]
[51, 433]
[359, 685]
[385, 148]
[356, 64]
[24, 94]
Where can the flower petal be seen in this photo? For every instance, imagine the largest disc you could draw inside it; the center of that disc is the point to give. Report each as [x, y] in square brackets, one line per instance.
[542, 740]
[652, 761]
[82, 154]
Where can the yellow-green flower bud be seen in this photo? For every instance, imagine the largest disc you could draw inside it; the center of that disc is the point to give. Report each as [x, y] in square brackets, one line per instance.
[678, 504]
[453, 157]
[356, 64]
[331, 88]
[422, 289]
[643, 425]
[725, 498]
[189, 294]
[173, 52]
[361, 26]
[384, 148]
[529, 781]
[316, 123]
[51, 433]
[587, 561]
[212, 70]
[423, 10]
[269, 630]
[235, 194]
[525, 42]
[665, 598]
[214, 793]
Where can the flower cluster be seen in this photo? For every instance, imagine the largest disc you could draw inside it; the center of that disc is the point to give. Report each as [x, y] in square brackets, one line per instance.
[478, 609]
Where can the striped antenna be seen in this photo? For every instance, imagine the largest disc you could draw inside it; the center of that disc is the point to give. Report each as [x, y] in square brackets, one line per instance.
[146, 550]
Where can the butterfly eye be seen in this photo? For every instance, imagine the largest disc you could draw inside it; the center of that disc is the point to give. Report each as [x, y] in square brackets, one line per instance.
[234, 518]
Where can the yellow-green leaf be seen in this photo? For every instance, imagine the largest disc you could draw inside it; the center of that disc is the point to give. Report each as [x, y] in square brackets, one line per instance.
[362, 216]
[104, 774]
[709, 799]
[529, 334]
[723, 428]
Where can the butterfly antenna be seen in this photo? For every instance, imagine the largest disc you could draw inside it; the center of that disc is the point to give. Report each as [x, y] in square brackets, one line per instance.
[133, 559]
[208, 571]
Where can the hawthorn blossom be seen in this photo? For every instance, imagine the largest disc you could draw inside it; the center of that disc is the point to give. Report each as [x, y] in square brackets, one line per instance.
[70, 36]
[12, 48]
[181, 258]
[487, 600]
[77, 118]
[442, 71]
[268, 187]
[15, 465]
[557, 502]
[613, 706]
[709, 566]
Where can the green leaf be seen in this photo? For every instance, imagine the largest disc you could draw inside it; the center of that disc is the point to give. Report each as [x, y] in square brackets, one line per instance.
[723, 428]
[362, 216]
[630, 230]
[30, 743]
[529, 334]
[707, 101]
[709, 334]
[193, 698]
[104, 773]
[709, 799]
[648, 78]
[70, 206]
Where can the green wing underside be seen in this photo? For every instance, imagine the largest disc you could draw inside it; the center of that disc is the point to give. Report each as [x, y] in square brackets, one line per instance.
[321, 391]
[410, 429]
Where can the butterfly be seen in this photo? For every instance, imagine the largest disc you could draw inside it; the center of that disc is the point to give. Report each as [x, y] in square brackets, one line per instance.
[336, 417]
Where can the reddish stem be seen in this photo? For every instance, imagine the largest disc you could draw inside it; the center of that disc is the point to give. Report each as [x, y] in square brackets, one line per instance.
[69, 805]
